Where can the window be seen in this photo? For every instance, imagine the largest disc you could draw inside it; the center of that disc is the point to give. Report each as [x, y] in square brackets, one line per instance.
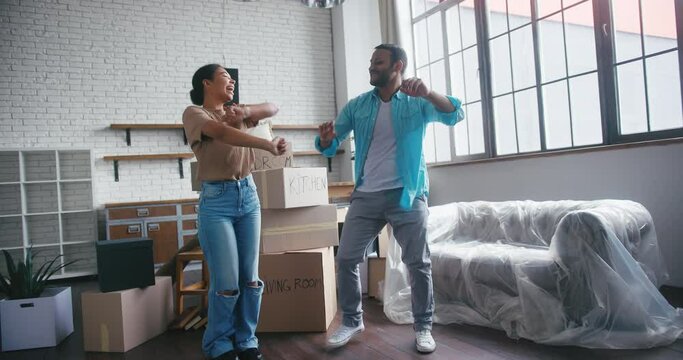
[541, 75]
[646, 64]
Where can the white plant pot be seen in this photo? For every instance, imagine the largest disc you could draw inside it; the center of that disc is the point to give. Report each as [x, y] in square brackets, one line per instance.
[37, 322]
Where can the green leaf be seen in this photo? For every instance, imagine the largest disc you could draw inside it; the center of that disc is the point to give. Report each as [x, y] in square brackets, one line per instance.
[21, 282]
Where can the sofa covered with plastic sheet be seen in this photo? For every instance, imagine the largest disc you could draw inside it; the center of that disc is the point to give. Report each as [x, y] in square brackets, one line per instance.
[558, 272]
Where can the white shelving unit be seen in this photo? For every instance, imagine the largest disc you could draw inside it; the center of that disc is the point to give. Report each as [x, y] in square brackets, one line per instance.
[46, 201]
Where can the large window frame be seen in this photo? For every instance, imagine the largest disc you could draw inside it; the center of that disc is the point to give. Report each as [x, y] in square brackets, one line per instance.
[605, 43]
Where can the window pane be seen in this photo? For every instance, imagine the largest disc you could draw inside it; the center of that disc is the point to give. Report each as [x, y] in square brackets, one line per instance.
[498, 23]
[552, 49]
[519, 13]
[626, 17]
[631, 87]
[453, 29]
[435, 37]
[476, 128]
[567, 3]
[528, 132]
[438, 77]
[659, 25]
[556, 113]
[428, 144]
[547, 7]
[580, 39]
[418, 7]
[469, 31]
[469, 133]
[472, 81]
[500, 65]
[420, 39]
[585, 101]
[443, 142]
[460, 133]
[457, 77]
[664, 92]
[423, 73]
[504, 119]
[522, 46]
[431, 3]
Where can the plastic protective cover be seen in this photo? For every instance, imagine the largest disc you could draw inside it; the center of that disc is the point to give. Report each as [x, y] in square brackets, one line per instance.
[580, 273]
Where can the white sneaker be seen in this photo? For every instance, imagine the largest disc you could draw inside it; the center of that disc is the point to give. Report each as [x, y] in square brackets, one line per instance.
[424, 341]
[342, 335]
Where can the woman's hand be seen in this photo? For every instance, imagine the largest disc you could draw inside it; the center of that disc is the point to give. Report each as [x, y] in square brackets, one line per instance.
[279, 146]
[233, 116]
[327, 134]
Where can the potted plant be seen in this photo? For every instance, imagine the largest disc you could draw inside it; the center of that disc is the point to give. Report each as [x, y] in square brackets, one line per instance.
[33, 315]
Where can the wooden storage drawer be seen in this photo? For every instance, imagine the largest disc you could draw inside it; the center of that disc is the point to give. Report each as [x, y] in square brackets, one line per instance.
[126, 231]
[142, 212]
[165, 238]
[188, 238]
[190, 209]
[190, 225]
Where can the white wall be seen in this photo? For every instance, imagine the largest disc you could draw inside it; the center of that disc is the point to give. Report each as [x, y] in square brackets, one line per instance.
[356, 33]
[650, 175]
[70, 68]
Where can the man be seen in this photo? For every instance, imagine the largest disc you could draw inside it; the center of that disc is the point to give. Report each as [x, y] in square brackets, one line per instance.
[389, 123]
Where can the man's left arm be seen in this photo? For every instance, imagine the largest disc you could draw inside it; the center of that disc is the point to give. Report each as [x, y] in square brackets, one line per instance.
[437, 107]
[442, 108]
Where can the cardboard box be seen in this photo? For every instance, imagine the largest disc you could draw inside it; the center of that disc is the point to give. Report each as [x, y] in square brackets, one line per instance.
[264, 160]
[37, 322]
[291, 187]
[300, 291]
[341, 213]
[121, 320]
[376, 271]
[383, 239]
[298, 229]
[136, 254]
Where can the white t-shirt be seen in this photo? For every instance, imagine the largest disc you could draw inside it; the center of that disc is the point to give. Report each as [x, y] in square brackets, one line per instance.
[380, 172]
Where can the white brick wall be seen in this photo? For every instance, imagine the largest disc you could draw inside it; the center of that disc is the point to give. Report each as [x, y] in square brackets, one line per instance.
[10, 233]
[70, 68]
[43, 229]
[10, 198]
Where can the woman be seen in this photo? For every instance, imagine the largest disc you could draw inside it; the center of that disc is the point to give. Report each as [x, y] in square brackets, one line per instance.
[229, 209]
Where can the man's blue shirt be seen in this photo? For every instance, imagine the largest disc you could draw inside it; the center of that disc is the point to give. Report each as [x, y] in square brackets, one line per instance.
[410, 117]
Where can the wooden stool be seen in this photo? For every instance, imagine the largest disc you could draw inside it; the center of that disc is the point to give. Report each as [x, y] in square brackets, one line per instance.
[199, 288]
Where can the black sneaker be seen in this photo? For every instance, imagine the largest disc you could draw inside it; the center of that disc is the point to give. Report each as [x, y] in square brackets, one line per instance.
[230, 355]
[250, 354]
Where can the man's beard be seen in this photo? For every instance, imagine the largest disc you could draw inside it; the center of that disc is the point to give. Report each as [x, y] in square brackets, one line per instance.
[381, 80]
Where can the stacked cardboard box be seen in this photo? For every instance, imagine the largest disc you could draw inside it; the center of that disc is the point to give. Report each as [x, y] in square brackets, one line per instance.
[298, 231]
[377, 265]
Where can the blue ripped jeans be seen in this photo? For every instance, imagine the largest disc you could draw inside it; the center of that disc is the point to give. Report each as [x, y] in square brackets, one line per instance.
[229, 232]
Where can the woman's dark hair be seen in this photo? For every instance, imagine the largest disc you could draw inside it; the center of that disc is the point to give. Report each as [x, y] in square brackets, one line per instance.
[203, 73]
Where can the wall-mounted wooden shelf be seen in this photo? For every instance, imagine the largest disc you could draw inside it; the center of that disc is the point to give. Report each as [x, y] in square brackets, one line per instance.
[129, 127]
[312, 152]
[179, 156]
[295, 127]
[316, 152]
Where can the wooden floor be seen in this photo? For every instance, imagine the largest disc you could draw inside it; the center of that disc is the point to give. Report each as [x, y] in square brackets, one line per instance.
[381, 340]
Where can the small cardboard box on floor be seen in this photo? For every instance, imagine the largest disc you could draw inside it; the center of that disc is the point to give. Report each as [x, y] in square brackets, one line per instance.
[298, 229]
[286, 188]
[121, 320]
[376, 271]
[300, 292]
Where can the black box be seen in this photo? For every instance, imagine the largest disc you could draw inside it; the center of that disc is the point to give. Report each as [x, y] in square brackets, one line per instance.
[125, 264]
